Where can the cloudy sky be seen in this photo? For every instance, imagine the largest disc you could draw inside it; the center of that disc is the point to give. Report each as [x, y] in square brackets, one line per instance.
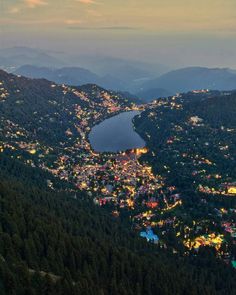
[174, 32]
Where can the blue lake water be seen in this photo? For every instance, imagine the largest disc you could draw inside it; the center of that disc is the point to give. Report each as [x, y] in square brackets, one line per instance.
[116, 134]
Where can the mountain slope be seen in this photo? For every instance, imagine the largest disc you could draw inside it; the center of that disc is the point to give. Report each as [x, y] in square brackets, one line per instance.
[48, 110]
[52, 243]
[192, 143]
[69, 75]
[108, 72]
[14, 57]
[153, 93]
[75, 76]
[192, 78]
[54, 240]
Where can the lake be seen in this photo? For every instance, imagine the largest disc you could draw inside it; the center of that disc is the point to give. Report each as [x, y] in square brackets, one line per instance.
[116, 134]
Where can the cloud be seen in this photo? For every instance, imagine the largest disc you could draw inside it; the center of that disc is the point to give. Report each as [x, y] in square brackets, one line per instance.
[87, 2]
[32, 22]
[94, 13]
[35, 3]
[72, 21]
[14, 10]
[119, 28]
[114, 28]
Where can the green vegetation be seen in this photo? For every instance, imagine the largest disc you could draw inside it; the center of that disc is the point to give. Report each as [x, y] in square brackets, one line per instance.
[52, 243]
[192, 144]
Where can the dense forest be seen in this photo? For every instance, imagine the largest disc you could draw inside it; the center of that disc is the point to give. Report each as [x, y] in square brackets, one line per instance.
[54, 243]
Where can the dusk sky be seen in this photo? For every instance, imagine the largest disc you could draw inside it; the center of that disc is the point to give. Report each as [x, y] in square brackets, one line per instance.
[172, 32]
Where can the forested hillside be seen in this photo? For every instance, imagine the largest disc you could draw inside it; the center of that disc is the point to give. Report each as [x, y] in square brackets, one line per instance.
[192, 144]
[52, 243]
[47, 110]
[55, 240]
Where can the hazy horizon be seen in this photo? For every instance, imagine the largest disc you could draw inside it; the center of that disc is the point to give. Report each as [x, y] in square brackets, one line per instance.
[174, 33]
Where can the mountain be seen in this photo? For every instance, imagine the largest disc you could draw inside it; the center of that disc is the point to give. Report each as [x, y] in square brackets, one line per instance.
[192, 78]
[109, 72]
[12, 58]
[124, 69]
[67, 75]
[191, 140]
[54, 238]
[72, 76]
[126, 75]
[48, 110]
[187, 129]
[53, 243]
[153, 93]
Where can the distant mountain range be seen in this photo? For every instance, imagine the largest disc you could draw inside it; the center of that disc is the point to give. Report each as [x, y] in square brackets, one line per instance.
[109, 72]
[74, 76]
[191, 78]
[68, 75]
[11, 58]
[182, 80]
[147, 81]
[152, 93]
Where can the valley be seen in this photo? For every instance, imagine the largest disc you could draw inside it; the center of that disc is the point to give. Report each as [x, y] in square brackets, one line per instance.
[155, 186]
[117, 147]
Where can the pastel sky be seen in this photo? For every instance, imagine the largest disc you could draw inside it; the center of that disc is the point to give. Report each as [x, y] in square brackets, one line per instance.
[177, 32]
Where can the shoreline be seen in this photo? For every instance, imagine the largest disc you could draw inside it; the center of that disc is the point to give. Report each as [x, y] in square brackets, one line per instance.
[101, 150]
